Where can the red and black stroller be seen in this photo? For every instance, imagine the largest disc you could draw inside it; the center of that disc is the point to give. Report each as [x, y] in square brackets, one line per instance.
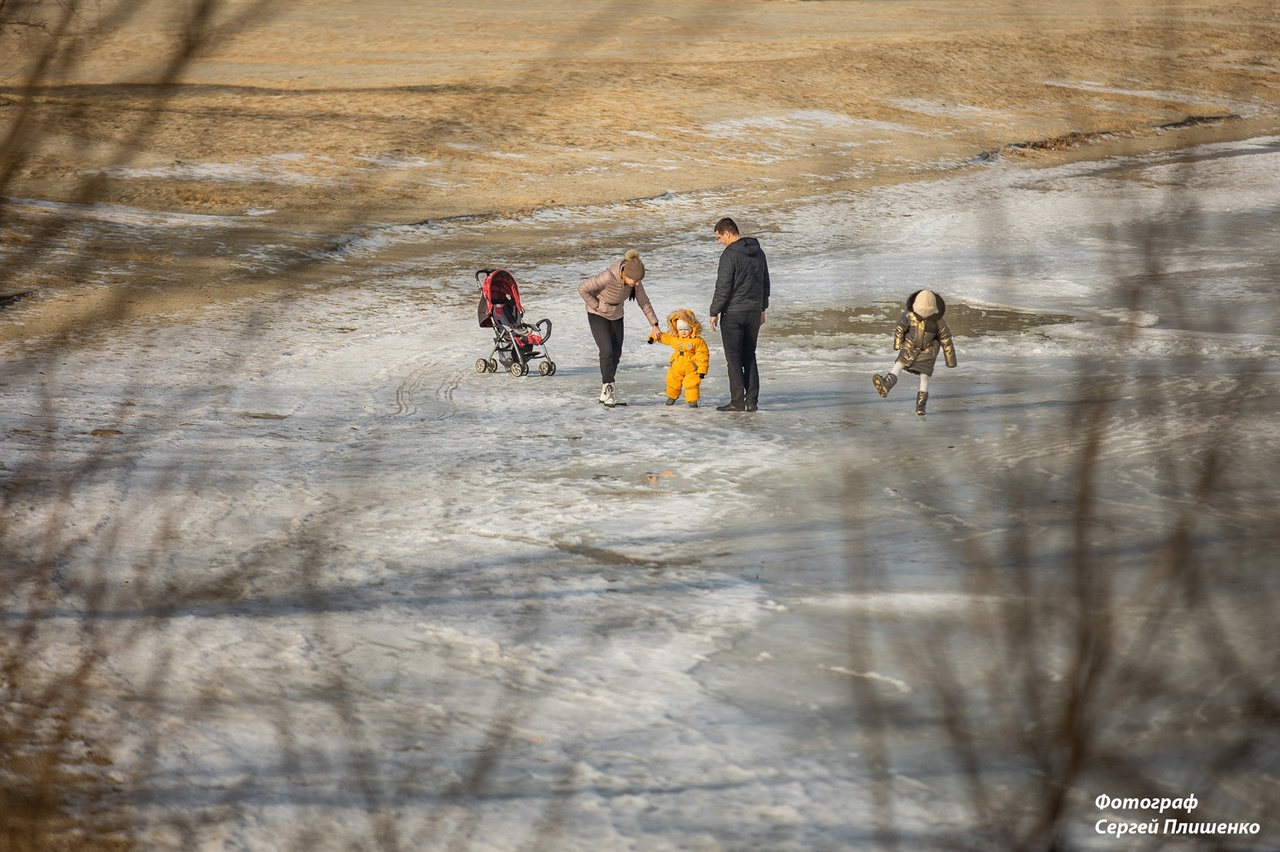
[515, 342]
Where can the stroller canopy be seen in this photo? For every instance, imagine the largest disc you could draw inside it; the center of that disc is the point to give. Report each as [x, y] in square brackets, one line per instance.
[501, 298]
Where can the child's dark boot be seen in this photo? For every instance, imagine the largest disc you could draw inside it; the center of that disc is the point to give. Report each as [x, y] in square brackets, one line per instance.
[884, 383]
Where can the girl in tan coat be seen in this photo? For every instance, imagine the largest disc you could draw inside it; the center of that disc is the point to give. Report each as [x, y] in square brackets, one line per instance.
[921, 333]
[690, 359]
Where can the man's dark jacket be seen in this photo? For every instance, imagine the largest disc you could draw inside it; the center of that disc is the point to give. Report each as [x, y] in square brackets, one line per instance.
[742, 284]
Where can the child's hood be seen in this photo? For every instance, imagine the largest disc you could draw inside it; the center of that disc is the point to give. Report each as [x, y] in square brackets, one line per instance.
[686, 315]
[921, 301]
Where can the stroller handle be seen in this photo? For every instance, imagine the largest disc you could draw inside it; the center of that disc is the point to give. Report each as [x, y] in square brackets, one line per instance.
[482, 274]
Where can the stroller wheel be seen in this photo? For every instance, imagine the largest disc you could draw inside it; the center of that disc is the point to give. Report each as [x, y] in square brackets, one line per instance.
[493, 365]
[482, 366]
[546, 368]
[518, 369]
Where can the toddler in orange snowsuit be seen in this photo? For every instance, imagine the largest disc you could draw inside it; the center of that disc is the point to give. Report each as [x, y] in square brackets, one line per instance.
[690, 359]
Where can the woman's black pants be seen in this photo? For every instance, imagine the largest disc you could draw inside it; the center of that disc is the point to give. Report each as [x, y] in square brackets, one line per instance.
[608, 336]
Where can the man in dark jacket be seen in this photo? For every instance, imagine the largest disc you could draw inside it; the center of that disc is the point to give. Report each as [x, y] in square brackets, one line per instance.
[739, 304]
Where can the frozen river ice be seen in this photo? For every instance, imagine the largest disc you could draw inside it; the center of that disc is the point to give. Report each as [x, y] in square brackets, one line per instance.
[342, 591]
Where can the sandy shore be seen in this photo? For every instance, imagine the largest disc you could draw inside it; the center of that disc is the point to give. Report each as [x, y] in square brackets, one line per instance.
[330, 117]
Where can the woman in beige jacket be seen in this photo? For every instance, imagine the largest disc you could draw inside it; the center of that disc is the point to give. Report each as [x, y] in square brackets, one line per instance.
[605, 295]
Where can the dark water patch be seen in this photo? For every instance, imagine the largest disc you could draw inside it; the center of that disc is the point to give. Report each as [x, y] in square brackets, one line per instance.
[1076, 139]
[9, 298]
[966, 320]
[976, 321]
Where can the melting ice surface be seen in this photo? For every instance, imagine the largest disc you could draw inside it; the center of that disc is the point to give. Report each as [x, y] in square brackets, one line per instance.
[400, 598]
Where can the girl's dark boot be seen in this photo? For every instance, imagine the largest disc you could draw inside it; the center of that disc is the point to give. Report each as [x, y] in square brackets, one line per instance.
[921, 398]
[884, 383]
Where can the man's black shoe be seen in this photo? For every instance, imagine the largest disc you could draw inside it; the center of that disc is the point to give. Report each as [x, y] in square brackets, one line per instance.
[731, 406]
[751, 406]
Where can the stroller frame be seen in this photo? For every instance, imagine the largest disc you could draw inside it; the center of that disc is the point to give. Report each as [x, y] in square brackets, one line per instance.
[516, 343]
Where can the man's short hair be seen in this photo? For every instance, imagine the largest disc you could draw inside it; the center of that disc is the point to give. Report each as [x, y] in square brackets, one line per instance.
[727, 226]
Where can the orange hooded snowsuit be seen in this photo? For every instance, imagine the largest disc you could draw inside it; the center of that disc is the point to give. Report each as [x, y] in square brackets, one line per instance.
[690, 359]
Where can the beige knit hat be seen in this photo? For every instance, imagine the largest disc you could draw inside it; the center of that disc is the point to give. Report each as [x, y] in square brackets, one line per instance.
[632, 267]
[925, 305]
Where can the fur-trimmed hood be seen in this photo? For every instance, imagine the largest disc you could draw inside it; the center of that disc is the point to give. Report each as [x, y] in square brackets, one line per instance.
[688, 353]
[925, 297]
[686, 315]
